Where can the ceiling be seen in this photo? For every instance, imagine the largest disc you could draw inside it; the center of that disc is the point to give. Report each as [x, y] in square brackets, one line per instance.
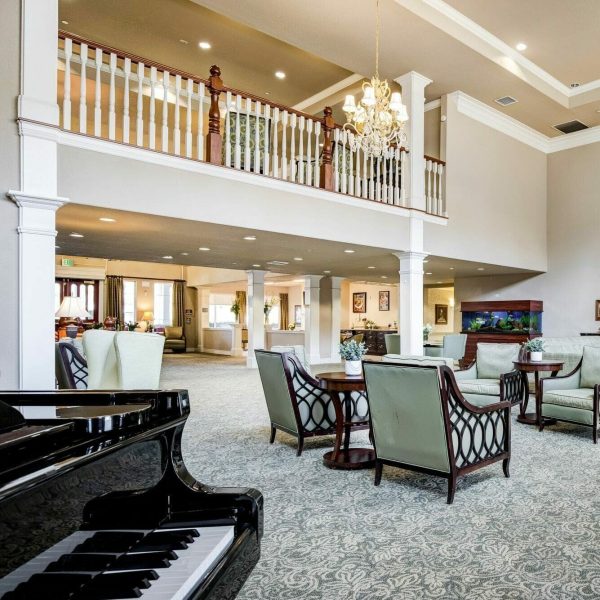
[148, 238]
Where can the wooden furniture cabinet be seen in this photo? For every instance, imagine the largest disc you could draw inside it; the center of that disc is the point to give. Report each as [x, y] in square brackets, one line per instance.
[374, 339]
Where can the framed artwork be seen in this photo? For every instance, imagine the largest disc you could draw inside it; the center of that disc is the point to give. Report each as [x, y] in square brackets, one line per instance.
[597, 310]
[441, 314]
[298, 315]
[359, 302]
[384, 300]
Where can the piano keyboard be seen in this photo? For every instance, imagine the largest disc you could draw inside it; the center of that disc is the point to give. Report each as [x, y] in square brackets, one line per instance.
[159, 564]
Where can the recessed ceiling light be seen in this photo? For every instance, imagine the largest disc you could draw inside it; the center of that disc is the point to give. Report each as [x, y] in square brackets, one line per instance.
[65, 22]
[298, 258]
[371, 267]
[326, 271]
[204, 45]
[481, 268]
[452, 268]
[107, 220]
[203, 249]
[168, 257]
[76, 235]
[184, 42]
[438, 282]
[256, 265]
[425, 261]
[521, 46]
[57, 246]
[185, 254]
[280, 74]
[384, 277]
[428, 273]
[250, 238]
[348, 251]
[278, 263]
[267, 93]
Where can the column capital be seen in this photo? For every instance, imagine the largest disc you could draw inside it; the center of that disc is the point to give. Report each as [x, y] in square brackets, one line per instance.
[28, 200]
[410, 255]
[413, 78]
[336, 282]
[312, 280]
[255, 276]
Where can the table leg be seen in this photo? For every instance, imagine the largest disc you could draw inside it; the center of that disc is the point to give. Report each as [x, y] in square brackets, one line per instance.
[347, 418]
[339, 427]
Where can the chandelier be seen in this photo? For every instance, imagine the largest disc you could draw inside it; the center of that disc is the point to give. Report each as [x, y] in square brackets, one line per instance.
[377, 122]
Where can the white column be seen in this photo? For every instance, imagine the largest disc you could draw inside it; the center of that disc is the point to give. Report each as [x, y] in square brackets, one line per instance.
[236, 347]
[336, 317]
[256, 314]
[312, 299]
[411, 302]
[37, 235]
[203, 317]
[413, 95]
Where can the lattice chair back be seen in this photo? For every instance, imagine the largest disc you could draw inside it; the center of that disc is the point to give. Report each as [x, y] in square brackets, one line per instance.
[407, 417]
[71, 368]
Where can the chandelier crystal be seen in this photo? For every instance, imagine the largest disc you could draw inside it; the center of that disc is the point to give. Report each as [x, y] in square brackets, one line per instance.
[377, 122]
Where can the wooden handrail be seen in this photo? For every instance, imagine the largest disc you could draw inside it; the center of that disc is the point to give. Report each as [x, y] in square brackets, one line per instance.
[133, 57]
[439, 161]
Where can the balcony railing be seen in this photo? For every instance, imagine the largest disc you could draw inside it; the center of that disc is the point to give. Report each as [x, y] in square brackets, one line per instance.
[124, 98]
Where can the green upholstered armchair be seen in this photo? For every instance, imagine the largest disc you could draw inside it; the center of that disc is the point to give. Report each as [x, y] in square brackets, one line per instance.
[295, 402]
[574, 397]
[493, 374]
[392, 343]
[420, 421]
[453, 346]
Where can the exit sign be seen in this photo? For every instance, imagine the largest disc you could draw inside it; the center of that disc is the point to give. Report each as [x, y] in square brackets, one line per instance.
[67, 262]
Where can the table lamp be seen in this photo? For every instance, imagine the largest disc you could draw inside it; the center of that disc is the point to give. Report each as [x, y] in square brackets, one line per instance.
[147, 319]
[72, 308]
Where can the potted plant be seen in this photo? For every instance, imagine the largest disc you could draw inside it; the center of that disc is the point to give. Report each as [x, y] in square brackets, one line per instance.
[426, 331]
[352, 353]
[535, 348]
[131, 325]
[269, 304]
[236, 309]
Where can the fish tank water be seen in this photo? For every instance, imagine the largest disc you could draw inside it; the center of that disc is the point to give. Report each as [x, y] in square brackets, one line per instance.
[502, 321]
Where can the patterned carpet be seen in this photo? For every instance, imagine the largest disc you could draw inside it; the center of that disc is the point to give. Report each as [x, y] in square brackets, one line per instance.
[332, 535]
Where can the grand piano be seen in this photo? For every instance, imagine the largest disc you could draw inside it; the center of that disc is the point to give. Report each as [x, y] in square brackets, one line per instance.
[96, 502]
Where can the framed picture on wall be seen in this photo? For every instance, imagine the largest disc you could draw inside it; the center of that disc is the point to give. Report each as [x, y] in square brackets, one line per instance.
[359, 302]
[298, 315]
[597, 310]
[384, 300]
[441, 314]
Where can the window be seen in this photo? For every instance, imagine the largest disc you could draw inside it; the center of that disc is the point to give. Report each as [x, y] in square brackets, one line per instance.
[163, 304]
[220, 315]
[87, 291]
[274, 316]
[129, 301]
[57, 298]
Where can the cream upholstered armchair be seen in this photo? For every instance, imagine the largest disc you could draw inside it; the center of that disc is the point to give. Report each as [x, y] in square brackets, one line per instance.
[421, 422]
[492, 374]
[574, 397]
[101, 357]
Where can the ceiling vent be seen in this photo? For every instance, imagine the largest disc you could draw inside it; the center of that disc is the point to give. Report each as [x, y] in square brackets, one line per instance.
[571, 126]
[278, 263]
[505, 100]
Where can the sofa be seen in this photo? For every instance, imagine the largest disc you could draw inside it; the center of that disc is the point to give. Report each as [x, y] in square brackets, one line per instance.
[174, 339]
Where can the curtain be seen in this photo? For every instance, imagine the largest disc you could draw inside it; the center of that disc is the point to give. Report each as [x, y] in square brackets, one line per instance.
[114, 297]
[178, 292]
[240, 298]
[283, 311]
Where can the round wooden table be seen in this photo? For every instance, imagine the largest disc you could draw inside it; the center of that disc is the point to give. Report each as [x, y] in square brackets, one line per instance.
[535, 367]
[339, 383]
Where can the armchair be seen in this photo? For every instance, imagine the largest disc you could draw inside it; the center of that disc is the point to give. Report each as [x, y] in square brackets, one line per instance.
[493, 374]
[420, 421]
[71, 369]
[392, 343]
[575, 397]
[174, 339]
[295, 402]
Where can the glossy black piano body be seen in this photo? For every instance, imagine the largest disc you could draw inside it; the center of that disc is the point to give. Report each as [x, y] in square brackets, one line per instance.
[119, 471]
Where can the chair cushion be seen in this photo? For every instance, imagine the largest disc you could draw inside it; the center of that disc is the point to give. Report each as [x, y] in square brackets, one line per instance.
[581, 398]
[590, 367]
[495, 359]
[480, 400]
[425, 361]
[487, 387]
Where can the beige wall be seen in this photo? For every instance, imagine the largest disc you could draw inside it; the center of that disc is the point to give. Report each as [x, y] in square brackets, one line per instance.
[432, 132]
[496, 197]
[9, 179]
[381, 318]
[433, 296]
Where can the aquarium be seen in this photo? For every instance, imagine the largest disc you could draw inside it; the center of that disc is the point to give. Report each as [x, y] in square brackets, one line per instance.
[502, 321]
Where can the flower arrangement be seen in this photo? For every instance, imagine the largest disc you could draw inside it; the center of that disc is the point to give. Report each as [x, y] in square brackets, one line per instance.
[535, 345]
[292, 326]
[269, 304]
[352, 350]
[131, 325]
[427, 330]
[236, 309]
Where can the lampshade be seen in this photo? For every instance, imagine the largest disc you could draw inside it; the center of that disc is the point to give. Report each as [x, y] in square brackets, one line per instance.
[349, 104]
[72, 307]
[396, 101]
[147, 316]
[369, 96]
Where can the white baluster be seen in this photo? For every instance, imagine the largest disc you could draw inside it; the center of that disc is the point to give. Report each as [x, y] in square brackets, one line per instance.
[189, 90]
[396, 198]
[228, 101]
[352, 154]
[301, 157]
[67, 85]
[344, 182]
[266, 143]
[275, 151]
[372, 180]
[317, 166]
[152, 124]
[309, 167]
[365, 183]
[82, 90]
[112, 116]
[428, 186]
[200, 132]
[257, 106]
[284, 125]
[434, 202]
[336, 164]
[441, 200]
[127, 73]
[139, 126]
[293, 123]
[247, 145]
[176, 130]
[165, 112]
[98, 102]
[403, 174]
[357, 178]
[238, 148]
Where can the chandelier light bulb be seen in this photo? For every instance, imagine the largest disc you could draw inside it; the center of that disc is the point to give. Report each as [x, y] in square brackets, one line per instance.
[396, 101]
[403, 115]
[349, 104]
[368, 96]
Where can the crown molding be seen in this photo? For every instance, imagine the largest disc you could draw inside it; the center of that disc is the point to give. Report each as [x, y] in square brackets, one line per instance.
[433, 105]
[574, 140]
[328, 92]
[468, 32]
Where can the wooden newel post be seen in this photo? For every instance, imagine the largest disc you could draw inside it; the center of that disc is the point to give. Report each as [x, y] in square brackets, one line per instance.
[326, 179]
[214, 141]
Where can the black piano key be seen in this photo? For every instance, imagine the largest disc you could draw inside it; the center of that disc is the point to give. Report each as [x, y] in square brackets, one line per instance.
[165, 540]
[110, 541]
[58, 586]
[83, 562]
[119, 585]
[144, 560]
